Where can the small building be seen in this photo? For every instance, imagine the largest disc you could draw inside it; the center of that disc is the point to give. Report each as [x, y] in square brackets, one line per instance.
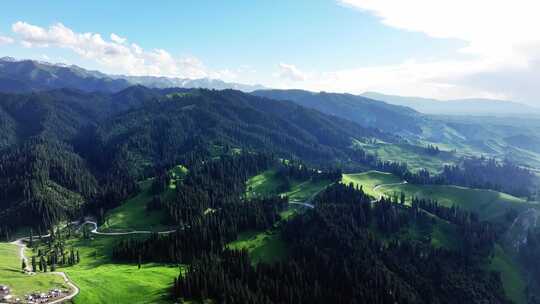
[4, 290]
[6, 297]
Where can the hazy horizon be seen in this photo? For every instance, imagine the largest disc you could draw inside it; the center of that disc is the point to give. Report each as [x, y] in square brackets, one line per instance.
[353, 46]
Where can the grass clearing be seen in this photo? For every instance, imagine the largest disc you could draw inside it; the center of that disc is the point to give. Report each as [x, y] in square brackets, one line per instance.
[369, 180]
[269, 183]
[513, 281]
[20, 283]
[266, 246]
[415, 156]
[177, 174]
[304, 190]
[264, 184]
[488, 204]
[102, 281]
[132, 214]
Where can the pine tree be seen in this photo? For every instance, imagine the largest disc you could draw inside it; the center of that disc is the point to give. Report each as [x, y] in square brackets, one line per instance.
[33, 263]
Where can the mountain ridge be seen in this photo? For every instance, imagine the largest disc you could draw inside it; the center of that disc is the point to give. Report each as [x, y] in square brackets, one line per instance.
[21, 76]
[465, 106]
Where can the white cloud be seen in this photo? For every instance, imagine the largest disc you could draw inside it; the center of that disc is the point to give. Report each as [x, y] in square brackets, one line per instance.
[290, 72]
[411, 78]
[114, 55]
[6, 40]
[490, 27]
[502, 44]
[117, 38]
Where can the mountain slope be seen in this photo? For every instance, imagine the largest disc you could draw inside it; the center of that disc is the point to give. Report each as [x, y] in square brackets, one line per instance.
[28, 75]
[18, 76]
[471, 106]
[367, 112]
[64, 150]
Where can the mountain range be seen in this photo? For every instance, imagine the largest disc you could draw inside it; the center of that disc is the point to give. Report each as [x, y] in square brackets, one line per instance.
[474, 126]
[470, 106]
[18, 76]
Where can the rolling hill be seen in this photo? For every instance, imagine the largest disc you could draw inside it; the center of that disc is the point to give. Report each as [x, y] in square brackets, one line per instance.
[501, 137]
[367, 112]
[64, 150]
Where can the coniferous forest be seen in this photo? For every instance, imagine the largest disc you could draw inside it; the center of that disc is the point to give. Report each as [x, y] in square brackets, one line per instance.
[70, 155]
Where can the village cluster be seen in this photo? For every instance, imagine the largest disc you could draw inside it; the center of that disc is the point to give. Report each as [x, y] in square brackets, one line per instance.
[33, 298]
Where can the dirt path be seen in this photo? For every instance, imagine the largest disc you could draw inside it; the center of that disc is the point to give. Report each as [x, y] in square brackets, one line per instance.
[302, 204]
[391, 184]
[385, 185]
[95, 230]
[74, 289]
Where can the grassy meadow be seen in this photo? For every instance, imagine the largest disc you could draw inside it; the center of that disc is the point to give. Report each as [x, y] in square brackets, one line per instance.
[103, 281]
[132, 213]
[19, 282]
[488, 204]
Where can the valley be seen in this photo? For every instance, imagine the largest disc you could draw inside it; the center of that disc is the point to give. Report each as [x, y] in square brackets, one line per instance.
[162, 195]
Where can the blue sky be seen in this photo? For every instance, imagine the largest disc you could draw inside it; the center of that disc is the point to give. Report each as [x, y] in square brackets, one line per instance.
[344, 45]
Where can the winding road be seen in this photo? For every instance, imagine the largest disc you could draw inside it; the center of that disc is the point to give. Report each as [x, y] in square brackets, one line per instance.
[302, 204]
[386, 185]
[391, 184]
[309, 205]
[94, 231]
[74, 289]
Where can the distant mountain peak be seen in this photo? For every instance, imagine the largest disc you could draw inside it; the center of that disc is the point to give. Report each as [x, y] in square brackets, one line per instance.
[32, 75]
[8, 59]
[462, 107]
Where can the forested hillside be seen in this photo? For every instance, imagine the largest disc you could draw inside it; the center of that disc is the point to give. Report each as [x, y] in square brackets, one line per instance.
[362, 110]
[502, 137]
[65, 151]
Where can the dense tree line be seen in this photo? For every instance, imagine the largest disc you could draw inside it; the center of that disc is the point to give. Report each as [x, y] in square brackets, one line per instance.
[51, 251]
[210, 211]
[203, 234]
[335, 258]
[296, 169]
[488, 173]
[528, 254]
[474, 172]
[65, 151]
[478, 237]
[42, 182]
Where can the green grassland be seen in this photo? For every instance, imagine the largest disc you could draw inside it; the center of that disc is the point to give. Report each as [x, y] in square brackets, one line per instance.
[369, 180]
[264, 184]
[305, 190]
[415, 156]
[513, 280]
[20, 283]
[269, 183]
[266, 246]
[488, 204]
[132, 214]
[102, 281]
